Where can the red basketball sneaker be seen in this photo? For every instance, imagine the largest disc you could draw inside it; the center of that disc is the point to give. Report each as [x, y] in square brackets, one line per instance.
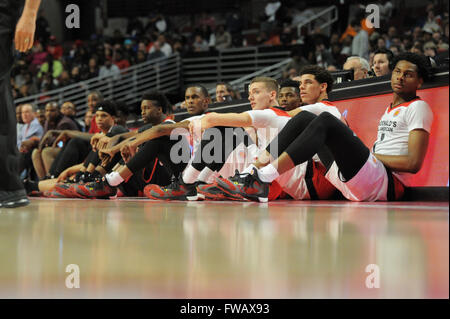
[96, 189]
[213, 192]
[246, 185]
[177, 190]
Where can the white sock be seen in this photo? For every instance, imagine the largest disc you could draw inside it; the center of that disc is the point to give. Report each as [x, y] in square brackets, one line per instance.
[268, 173]
[205, 174]
[190, 175]
[248, 169]
[114, 178]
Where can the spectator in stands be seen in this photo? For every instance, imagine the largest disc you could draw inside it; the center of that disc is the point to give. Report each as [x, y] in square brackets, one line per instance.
[93, 68]
[19, 119]
[359, 65]
[55, 49]
[52, 67]
[221, 39]
[417, 48]
[40, 114]
[200, 44]
[109, 69]
[430, 49]
[381, 43]
[360, 43]
[164, 46]
[394, 49]
[88, 117]
[69, 109]
[156, 52]
[432, 22]
[38, 57]
[235, 25]
[120, 60]
[141, 57]
[298, 62]
[322, 55]
[347, 46]
[225, 92]
[289, 95]
[64, 79]
[381, 62]
[28, 137]
[31, 127]
[44, 155]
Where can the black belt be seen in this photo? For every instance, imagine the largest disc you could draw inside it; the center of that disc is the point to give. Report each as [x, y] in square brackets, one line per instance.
[309, 180]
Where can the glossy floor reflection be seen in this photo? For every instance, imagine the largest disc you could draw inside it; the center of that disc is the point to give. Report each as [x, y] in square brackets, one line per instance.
[148, 249]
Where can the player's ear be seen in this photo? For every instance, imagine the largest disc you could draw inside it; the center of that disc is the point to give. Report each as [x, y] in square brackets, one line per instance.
[323, 87]
[420, 83]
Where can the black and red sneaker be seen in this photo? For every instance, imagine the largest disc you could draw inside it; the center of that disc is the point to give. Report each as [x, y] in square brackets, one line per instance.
[177, 190]
[96, 189]
[246, 185]
[213, 192]
[63, 190]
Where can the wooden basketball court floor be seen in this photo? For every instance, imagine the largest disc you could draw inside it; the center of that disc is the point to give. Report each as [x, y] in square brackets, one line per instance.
[134, 248]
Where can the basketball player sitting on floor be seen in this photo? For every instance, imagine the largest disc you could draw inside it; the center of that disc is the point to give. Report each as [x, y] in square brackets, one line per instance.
[268, 119]
[359, 173]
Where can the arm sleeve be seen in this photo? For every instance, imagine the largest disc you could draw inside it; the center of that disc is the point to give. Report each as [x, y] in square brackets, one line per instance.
[260, 118]
[419, 116]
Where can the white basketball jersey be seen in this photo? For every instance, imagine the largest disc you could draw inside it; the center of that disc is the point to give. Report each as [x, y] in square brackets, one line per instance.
[394, 128]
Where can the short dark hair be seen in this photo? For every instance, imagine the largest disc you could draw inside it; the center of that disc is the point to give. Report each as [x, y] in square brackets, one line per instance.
[423, 64]
[389, 55]
[159, 99]
[291, 84]
[320, 74]
[201, 87]
[227, 85]
[96, 93]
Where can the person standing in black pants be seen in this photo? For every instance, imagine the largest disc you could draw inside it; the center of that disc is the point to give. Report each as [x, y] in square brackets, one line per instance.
[12, 192]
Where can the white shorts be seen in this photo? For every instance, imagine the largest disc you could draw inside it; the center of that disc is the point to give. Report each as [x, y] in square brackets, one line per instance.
[369, 184]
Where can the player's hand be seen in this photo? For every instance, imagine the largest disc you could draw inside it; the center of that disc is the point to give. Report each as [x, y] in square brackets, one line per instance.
[128, 151]
[67, 173]
[103, 142]
[26, 146]
[94, 140]
[44, 140]
[24, 35]
[106, 153]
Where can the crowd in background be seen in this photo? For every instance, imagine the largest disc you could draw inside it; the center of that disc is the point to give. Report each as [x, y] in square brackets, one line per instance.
[52, 65]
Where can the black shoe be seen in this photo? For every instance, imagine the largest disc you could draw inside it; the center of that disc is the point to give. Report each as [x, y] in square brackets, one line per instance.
[248, 186]
[11, 199]
[30, 186]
